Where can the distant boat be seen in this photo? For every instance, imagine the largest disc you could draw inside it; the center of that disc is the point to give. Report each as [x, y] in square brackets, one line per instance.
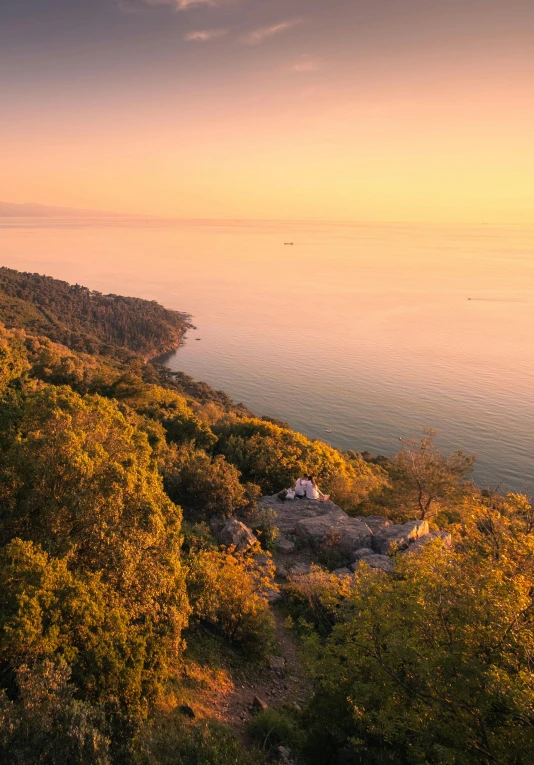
[198, 338]
[328, 430]
[291, 243]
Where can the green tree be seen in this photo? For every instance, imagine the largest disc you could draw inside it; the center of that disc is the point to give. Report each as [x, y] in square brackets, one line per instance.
[13, 360]
[205, 486]
[228, 590]
[424, 483]
[433, 665]
[81, 482]
[165, 406]
[273, 457]
[54, 618]
[47, 723]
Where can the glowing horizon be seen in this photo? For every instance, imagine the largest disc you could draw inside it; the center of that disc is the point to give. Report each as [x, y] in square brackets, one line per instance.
[301, 109]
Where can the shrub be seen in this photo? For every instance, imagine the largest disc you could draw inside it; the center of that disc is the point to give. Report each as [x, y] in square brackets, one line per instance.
[424, 483]
[204, 486]
[434, 664]
[196, 537]
[274, 456]
[317, 599]
[263, 524]
[47, 723]
[272, 728]
[225, 589]
[171, 741]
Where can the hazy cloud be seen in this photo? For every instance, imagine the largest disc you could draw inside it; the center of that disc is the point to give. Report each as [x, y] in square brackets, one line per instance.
[257, 36]
[203, 35]
[307, 63]
[182, 5]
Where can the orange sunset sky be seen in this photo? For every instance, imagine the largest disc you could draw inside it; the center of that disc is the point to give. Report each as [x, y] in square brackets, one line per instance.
[363, 110]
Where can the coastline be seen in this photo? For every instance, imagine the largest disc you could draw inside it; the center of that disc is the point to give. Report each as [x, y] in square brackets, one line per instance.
[155, 357]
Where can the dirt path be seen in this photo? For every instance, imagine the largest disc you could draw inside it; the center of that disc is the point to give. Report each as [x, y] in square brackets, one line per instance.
[274, 686]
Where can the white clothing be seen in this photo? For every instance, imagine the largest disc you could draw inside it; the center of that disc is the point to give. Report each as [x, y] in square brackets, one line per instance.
[312, 492]
[300, 487]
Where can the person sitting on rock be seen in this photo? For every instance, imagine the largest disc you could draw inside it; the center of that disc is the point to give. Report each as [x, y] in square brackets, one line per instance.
[312, 490]
[300, 488]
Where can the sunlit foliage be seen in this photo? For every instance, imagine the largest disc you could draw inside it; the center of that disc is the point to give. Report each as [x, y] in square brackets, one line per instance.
[435, 664]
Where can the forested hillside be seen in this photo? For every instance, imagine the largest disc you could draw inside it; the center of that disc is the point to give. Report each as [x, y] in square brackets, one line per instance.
[127, 626]
[85, 320]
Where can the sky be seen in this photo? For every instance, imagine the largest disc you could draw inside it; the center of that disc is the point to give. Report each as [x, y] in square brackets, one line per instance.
[357, 110]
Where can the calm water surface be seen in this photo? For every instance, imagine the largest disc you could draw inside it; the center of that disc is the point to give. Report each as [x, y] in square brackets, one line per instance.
[367, 331]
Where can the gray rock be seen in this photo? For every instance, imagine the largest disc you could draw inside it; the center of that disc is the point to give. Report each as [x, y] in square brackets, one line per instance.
[363, 552]
[288, 513]
[350, 533]
[272, 596]
[284, 756]
[375, 522]
[342, 572]
[258, 705]
[383, 562]
[277, 664]
[355, 534]
[264, 561]
[418, 545]
[398, 536]
[300, 569]
[284, 546]
[235, 533]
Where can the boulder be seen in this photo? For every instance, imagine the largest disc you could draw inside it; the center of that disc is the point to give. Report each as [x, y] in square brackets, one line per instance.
[362, 553]
[418, 545]
[277, 664]
[383, 562]
[285, 546]
[235, 534]
[263, 561]
[350, 533]
[300, 569]
[342, 572]
[284, 756]
[272, 596]
[355, 534]
[398, 536]
[375, 522]
[258, 705]
[288, 513]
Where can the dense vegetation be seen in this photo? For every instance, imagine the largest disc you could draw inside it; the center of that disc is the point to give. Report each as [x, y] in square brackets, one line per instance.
[86, 320]
[111, 582]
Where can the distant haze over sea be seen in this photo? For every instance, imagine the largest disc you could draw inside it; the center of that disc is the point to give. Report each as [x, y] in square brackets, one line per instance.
[370, 332]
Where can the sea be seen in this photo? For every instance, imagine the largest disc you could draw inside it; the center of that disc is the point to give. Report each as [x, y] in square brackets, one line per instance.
[356, 334]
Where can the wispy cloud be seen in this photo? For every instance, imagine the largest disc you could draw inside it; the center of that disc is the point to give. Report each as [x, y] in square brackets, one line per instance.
[183, 5]
[257, 36]
[204, 35]
[307, 63]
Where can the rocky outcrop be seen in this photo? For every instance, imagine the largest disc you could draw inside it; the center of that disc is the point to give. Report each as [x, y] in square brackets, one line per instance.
[390, 539]
[362, 554]
[418, 545]
[233, 533]
[383, 562]
[312, 526]
[288, 513]
[285, 546]
[336, 529]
